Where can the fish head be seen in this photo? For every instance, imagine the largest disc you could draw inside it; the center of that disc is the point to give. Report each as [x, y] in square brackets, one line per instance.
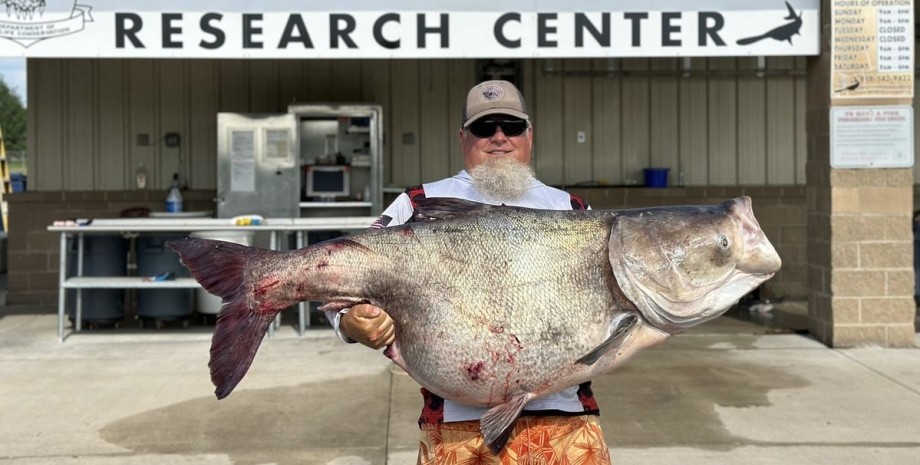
[682, 266]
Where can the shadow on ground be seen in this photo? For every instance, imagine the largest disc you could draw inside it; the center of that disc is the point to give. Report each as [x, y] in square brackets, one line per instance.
[309, 423]
[317, 422]
[672, 400]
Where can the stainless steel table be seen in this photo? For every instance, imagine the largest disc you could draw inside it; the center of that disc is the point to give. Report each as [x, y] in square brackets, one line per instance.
[131, 226]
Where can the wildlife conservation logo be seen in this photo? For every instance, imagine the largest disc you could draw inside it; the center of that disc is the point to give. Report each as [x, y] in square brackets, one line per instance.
[29, 21]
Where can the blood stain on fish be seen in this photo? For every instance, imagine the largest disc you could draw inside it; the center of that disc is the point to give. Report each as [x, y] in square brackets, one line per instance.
[474, 370]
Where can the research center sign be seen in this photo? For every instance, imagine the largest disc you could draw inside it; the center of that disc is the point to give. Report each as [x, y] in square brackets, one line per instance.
[412, 29]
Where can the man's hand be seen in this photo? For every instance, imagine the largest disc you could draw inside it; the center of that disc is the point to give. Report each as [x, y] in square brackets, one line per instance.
[368, 325]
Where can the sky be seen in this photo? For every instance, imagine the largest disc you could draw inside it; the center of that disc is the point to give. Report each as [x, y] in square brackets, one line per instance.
[14, 74]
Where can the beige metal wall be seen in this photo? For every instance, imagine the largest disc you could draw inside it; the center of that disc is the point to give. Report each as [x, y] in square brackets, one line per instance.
[734, 128]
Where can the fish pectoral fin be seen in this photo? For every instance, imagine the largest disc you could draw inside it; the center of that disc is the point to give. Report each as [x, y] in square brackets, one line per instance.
[497, 423]
[340, 304]
[623, 325]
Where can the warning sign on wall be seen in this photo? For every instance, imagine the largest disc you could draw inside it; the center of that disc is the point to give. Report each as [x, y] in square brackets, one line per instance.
[872, 137]
[872, 44]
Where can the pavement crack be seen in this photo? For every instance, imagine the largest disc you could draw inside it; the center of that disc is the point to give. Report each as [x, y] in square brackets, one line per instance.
[877, 372]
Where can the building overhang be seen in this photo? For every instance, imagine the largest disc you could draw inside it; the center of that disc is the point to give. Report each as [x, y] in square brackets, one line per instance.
[351, 29]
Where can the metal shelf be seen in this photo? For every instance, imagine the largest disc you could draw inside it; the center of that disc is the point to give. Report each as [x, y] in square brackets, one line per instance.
[336, 204]
[113, 282]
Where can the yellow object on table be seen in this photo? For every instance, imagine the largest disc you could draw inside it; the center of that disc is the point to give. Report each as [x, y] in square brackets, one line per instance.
[248, 220]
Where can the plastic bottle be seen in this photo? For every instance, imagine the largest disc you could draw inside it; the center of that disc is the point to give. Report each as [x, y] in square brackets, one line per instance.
[140, 177]
[174, 198]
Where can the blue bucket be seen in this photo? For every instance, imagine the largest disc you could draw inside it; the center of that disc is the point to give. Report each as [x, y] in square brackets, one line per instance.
[656, 177]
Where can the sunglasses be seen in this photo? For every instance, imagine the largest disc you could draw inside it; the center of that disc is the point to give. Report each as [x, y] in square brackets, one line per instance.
[483, 128]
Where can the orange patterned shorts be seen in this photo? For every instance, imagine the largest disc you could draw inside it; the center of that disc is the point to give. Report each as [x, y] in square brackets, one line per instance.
[534, 441]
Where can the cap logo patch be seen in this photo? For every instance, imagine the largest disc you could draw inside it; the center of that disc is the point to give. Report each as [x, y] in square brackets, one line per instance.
[492, 93]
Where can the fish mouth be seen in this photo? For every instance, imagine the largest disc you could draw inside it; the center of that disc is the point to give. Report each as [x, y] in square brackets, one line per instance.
[759, 256]
[703, 303]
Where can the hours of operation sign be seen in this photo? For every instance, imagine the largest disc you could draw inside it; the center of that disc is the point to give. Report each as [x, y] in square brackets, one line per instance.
[872, 49]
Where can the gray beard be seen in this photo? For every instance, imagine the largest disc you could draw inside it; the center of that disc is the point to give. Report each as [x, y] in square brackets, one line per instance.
[502, 179]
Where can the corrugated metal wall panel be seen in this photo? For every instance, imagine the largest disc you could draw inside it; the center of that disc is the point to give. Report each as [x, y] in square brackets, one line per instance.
[606, 110]
[142, 115]
[547, 109]
[319, 79]
[635, 123]
[200, 144]
[291, 87]
[346, 79]
[718, 130]
[780, 134]
[577, 153]
[376, 88]
[46, 97]
[434, 133]
[79, 135]
[752, 141]
[112, 126]
[173, 116]
[723, 111]
[263, 86]
[405, 127]
[693, 168]
[233, 85]
[665, 119]
[461, 77]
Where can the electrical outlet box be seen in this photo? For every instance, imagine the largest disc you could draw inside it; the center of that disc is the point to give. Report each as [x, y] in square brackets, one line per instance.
[172, 139]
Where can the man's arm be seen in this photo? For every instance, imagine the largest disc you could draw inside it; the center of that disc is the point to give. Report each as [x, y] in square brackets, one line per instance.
[365, 323]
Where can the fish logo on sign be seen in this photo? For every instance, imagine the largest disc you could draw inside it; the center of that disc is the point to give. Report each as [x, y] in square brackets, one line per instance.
[29, 21]
[780, 33]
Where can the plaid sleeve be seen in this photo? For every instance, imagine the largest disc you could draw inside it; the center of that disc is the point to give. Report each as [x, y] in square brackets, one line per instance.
[578, 203]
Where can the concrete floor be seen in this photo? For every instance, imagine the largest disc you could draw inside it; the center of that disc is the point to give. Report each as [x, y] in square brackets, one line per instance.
[727, 392]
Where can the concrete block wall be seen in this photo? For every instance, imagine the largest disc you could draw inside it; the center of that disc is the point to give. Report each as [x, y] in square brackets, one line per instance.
[862, 260]
[781, 211]
[34, 252]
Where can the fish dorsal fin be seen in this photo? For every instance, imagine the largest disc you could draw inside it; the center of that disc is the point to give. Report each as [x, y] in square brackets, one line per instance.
[439, 208]
[496, 424]
[623, 326]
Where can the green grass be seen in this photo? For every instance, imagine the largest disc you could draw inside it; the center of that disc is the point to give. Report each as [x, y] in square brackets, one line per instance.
[18, 166]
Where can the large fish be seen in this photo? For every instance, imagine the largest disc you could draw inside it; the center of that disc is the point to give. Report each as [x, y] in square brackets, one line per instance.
[496, 306]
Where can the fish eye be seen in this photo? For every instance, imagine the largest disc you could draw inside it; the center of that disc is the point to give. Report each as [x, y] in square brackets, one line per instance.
[723, 241]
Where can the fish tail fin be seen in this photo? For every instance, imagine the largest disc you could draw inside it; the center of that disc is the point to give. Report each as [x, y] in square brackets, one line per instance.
[220, 267]
[497, 423]
[750, 40]
[791, 12]
[237, 335]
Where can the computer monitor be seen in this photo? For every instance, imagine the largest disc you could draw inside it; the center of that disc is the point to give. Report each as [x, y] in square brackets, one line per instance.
[327, 181]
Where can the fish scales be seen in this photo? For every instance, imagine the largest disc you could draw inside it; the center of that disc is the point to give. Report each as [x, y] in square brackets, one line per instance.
[495, 306]
[476, 278]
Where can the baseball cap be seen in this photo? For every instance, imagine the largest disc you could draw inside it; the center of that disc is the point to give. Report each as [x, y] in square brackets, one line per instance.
[493, 97]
